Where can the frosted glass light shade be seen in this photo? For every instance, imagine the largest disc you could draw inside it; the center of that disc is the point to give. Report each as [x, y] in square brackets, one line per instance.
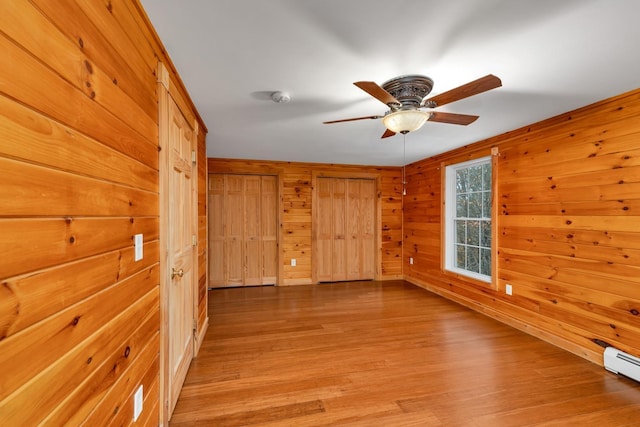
[404, 121]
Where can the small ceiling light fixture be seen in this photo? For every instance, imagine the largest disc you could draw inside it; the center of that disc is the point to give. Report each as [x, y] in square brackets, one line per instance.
[405, 121]
[280, 97]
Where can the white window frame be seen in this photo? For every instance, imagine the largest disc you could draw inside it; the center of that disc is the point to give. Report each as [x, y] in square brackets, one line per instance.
[450, 217]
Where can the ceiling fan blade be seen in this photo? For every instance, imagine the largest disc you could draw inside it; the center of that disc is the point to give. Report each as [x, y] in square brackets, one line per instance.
[352, 119]
[452, 118]
[387, 133]
[475, 87]
[377, 92]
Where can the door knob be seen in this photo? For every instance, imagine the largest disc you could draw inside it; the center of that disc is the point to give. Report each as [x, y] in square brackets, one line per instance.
[175, 273]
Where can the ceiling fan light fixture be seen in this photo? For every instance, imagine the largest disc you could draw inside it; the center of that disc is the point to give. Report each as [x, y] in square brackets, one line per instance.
[404, 121]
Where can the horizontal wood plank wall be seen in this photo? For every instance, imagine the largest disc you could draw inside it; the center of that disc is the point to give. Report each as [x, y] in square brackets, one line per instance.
[133, 13]
[568, 228]
[79, 318]
[296, 219]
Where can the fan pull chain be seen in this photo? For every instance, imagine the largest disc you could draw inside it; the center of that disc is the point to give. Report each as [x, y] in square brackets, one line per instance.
[404, 193]
[404, 162]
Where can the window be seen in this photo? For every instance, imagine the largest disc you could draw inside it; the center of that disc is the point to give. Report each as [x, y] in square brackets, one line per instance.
[468, 219]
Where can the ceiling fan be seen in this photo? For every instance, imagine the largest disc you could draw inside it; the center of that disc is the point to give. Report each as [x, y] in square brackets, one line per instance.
[405, 95]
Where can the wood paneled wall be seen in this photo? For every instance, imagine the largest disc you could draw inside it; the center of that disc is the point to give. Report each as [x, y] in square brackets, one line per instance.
[295, 213]
[568, 228]
[79, 319]
[203, 280]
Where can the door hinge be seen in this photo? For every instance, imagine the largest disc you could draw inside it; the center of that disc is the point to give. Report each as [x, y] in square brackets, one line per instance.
[195, 328]
[194, 240]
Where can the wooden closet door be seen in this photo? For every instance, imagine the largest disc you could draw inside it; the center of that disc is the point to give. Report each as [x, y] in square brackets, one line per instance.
[252, 231]
[324, 230]
[234, 230]
[216, 230]
[269, 224]
[243, 230]
[345, 229]
[354, 243]
[368, 228]
[339, 215]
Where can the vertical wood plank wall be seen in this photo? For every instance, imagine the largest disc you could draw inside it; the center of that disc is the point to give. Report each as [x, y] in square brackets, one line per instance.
[295, 212]
[79, 319]
[568, 228]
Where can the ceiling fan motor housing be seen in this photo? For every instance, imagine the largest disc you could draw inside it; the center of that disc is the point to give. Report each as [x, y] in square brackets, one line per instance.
[410, 90]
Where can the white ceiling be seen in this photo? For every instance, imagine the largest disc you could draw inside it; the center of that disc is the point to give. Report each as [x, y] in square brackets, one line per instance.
[552, 55]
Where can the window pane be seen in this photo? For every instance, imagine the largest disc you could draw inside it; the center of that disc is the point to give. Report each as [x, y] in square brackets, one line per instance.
[475, 205]
[462, 179]
[485, 262]
[460, 231]
[486, 204]
[473, 259]
[468, 218]
[473, 233]
[461, 256]
[485, 234]
[462, 201]
[475, 178]
[486, 176]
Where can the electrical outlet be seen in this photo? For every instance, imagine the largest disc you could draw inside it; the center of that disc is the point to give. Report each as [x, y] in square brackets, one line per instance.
[138, 400]
[293, 262]
[508, 289]
[411, 260]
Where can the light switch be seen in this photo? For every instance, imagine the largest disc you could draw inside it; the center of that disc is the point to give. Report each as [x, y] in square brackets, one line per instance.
[138, 243]
[138, 400]
[293, 262]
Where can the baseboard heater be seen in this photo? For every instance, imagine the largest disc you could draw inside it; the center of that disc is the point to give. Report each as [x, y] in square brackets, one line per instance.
[622, 363]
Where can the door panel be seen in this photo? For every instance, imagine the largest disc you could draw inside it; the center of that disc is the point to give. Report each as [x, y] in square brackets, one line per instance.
[354, 243]
[338, 255]
[252, 231]
[324, 231]
[216, 230]
[234, 230]
[181, 257]
[248, 214]
[269, 222]
[345, 229]
[368, 228]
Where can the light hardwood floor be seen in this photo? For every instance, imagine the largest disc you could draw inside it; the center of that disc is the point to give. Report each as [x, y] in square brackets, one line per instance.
[385, 354]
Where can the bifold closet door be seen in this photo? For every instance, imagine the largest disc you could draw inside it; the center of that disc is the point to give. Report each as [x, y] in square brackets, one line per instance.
[345, 229]
[242, 230]
[234, 221]
[360, 218]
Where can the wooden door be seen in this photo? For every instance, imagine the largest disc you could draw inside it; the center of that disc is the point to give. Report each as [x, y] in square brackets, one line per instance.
[242, 230]
[323, 227]
[181, 257]
[232, 218]
[252, 238]
[269, 232]
[216, 195]
[338, 217]
[345, 227]
[367, 229]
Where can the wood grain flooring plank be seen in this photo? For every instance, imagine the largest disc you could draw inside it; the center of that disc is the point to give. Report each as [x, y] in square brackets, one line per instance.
[385, 354]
